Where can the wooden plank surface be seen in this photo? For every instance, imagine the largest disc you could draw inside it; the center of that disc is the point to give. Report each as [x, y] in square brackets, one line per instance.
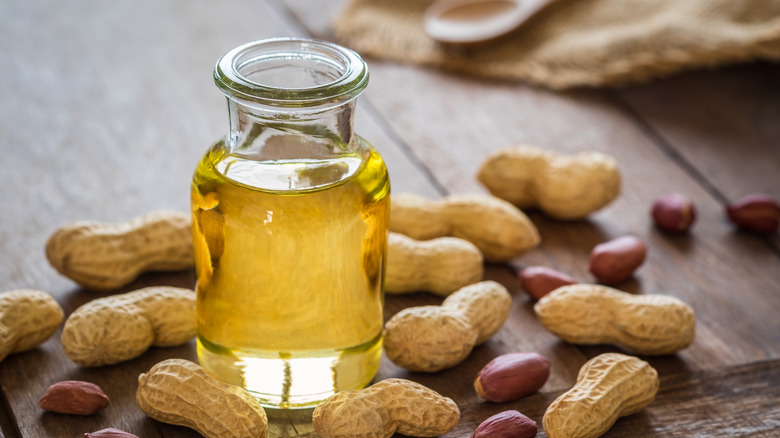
[105, 109]
[709, 403]
[719, 137]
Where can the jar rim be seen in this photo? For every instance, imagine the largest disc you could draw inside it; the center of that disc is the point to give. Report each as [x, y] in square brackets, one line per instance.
[352, 80]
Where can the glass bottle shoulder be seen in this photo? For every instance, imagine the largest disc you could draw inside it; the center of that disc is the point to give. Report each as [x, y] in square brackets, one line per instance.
[294, 174]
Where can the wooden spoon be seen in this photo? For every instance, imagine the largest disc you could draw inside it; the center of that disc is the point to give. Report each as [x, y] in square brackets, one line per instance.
[472, 22]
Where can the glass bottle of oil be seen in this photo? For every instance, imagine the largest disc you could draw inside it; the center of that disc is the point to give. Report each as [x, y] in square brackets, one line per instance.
[290, 216]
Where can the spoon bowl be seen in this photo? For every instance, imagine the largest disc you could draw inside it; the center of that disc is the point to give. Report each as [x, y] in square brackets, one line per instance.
[473, 22]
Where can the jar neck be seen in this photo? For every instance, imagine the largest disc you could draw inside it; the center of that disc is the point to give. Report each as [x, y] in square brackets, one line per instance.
[290, 91]
[252, 128]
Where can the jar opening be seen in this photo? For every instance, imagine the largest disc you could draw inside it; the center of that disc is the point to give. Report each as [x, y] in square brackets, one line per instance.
[289, 72]
[293, 70]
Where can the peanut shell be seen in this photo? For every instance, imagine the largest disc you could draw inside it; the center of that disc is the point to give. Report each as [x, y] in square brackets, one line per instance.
[117, 328]
[589, 314]
[609, 386]
[496, 227]
[385, 408]
[432, 338]
[27, 318]
[563, 186]
[180, 392]
[101, 256]
[441, 266]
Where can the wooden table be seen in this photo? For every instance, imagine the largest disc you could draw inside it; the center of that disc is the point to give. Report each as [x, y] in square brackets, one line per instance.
[105, 108]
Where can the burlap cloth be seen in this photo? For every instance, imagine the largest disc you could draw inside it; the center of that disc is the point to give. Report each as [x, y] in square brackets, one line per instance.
[578, 42]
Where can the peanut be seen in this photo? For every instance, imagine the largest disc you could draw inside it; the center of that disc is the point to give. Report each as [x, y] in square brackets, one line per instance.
[507, 424]
[512, 376]
[180, 392]
[101, 256]
[589, 314]
[538, 281]
[387, 407]
[562, 186]
[116, 328]
[673, 213]
[759, 213]
[74, 397]
[616, 260]
[27, 318]
[432, 338]
[441, 265]
[109, 433]
[497, 228]
[608, 386]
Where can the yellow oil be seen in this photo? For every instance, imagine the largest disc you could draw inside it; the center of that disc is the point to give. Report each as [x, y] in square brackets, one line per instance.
[290, 264]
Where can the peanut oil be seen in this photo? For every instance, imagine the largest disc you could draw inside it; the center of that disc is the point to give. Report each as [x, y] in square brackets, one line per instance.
[290, 263]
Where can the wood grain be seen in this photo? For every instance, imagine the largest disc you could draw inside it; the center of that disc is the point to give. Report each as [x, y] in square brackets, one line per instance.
[719, 137]
[105, 108]
[728, 133]
[730, 397]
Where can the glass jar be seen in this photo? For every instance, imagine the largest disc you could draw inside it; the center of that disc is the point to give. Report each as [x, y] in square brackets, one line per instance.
[290, 219]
